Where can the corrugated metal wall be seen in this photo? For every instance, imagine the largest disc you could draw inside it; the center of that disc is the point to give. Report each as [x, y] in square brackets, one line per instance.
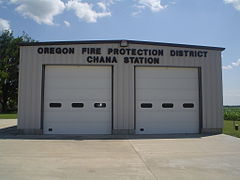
[30, 88]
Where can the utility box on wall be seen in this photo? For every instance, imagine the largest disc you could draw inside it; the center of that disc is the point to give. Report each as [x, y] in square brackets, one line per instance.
[119, 87]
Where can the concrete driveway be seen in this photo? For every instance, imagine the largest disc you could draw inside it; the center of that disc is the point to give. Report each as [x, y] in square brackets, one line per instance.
[7, 123]
[127, 157]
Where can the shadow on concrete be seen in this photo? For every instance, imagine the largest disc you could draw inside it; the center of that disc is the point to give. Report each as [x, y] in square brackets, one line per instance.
[11, 130]
[12, 133]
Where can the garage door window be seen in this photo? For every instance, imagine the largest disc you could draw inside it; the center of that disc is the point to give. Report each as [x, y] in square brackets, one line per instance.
[77, 105]
[55, 105]
[167, 105]
[188, 105]
[146, 105]
[100, 105]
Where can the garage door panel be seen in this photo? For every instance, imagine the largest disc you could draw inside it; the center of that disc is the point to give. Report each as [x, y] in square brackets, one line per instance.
[166, 125]
[77, 118]
[82, 71]
[178, 107]
[168, 83]
[100, 83]
[79, 94]
[167, 73]
[167, 117]
[165, 94]
[97, 128]
[78, 89]
[178, 111]
[166, 129]
[177, 87]
[179, 126]
[168, 95]
[86, 105]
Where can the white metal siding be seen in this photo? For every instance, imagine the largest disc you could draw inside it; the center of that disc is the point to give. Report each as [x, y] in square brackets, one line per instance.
[29, 114]
[175, 86]
[86, 85]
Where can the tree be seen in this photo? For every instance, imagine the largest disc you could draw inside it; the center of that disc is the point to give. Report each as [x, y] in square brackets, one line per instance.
[9, 61]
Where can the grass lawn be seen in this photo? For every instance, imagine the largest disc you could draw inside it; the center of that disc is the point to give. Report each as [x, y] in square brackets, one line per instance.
[230, 130]
[8, 116]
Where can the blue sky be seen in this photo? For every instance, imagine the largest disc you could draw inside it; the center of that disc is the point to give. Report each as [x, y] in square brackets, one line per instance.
[199, 22]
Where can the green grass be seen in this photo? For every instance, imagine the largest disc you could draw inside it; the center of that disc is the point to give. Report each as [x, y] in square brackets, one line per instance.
[8, 116]
[231, 115]
[229, 128]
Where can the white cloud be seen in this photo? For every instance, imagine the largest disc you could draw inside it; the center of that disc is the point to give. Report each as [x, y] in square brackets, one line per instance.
[139, 8]
[228, 67]
[237, 63]
[67, 23]
[86, 12]
[233, 64]
[153, 5]
[235, 3]
[41, 11]
[102, 5]
[4, 24]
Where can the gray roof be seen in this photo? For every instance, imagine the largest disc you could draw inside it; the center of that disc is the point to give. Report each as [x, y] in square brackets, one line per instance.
[119, 41]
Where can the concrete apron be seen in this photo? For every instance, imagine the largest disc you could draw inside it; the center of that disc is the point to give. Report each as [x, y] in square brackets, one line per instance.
[127, 157]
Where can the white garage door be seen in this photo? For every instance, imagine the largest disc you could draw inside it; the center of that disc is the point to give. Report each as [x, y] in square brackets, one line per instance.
[167, 100]
[77, 100]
